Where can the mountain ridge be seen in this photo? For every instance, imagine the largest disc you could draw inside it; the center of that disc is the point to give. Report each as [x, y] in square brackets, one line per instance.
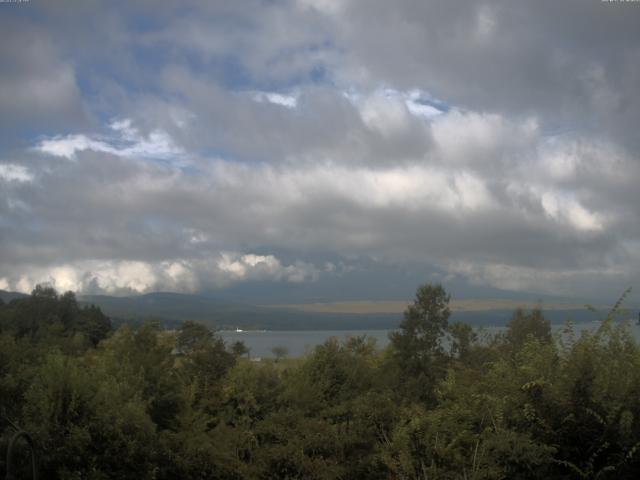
[172, 308]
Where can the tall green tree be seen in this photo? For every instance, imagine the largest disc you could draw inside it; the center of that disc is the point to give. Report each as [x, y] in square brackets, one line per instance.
[417, 346]
[525, 326]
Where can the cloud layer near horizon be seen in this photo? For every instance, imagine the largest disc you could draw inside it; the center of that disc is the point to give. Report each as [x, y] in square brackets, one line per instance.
[188, 149]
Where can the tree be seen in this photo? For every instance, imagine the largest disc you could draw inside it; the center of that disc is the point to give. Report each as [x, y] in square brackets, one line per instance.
[462, 339]
[525, 325]
[44, 291]
[94, 324]
[193, 336]
[417, 346]
[424, 324]
[239, 348]
[280, 352]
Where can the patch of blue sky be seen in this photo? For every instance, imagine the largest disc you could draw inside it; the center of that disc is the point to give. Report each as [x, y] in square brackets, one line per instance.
[419, 102]
[433, 102]
[14, 139]
[233, 74]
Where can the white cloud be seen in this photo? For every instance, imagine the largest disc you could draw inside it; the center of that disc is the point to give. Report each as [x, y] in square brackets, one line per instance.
[184, 275]
[124, 127]
[287, 101]
[422, 104]
[412, 187]
[264, 267]
[565, 209]
[67, 146]
[15, 173]
[101, 276]
[127, 142]
[389, 111]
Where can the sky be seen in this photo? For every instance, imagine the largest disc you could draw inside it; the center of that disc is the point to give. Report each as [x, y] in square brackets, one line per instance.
[291, 145]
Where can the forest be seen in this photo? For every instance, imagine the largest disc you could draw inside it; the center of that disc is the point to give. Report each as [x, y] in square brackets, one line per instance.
[440, 402]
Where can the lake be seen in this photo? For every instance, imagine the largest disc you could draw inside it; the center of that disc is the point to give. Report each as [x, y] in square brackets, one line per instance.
[299, 342]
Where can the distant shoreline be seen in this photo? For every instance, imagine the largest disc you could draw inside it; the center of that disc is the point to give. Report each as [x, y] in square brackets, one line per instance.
[398, 306]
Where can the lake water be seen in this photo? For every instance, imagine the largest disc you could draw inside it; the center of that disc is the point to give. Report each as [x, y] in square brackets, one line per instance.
[299, 342]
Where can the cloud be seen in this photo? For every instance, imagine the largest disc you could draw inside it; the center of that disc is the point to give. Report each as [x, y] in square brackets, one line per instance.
[468, 137]
[67, 146]
[332, 7]
[162, 228]
[15, 173]
[183, 275]
[552, 282]
[547, 59]
[287, 101]
[568, 210]
[416, 102]
[38, 88]
[494, 142]
[127, 142]
[264, 267]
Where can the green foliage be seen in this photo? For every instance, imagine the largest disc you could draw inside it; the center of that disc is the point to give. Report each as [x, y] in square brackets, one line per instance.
[46, 317]
[417, 346]
[424, 324]
[238, 348]
[524, 326]
[280, 352]
[463, 338]
[155, 404]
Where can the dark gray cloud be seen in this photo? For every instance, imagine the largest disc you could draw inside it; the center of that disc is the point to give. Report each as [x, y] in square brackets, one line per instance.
[193, 147]
[38, 87]
[574, 63]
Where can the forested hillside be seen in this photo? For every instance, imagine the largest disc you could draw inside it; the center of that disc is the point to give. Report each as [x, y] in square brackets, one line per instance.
[146, 403]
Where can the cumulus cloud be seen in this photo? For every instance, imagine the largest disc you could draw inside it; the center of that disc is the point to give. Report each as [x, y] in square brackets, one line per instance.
[264, 267]
[183, 275]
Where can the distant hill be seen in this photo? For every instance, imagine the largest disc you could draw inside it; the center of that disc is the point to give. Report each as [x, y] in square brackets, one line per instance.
[8, 296]
[171, 309]
[398, 306]
[168, 305]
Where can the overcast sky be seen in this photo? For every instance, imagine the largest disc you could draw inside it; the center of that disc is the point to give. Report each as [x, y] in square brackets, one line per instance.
[197, 146]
